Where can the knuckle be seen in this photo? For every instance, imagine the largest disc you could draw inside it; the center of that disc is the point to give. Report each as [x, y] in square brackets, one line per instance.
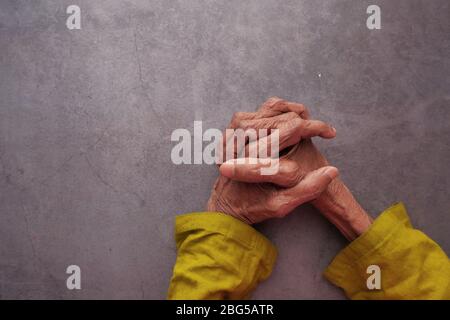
[236, 119]
[239, 115]
[245, 124]
[313, 190]
[295, 124]
[290, 173]
[273, 101]
[303, 110]
[273, 205]
[279, 104]
[278, 205]
[301, 106]
[307, 124]
[289, 116]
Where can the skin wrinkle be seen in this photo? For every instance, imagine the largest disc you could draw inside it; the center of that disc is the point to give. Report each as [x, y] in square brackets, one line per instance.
[304, 174]
[257, 197]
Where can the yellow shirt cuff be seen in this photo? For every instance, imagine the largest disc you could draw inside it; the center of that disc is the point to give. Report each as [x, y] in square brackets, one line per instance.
[410, 264]
[231, 228]
[219, 257]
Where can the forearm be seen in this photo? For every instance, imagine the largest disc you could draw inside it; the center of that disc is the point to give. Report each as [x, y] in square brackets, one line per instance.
[411, 265]
[339, 206]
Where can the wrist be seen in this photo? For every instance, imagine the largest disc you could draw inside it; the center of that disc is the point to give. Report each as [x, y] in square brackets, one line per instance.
[339, 206]
[214, 205]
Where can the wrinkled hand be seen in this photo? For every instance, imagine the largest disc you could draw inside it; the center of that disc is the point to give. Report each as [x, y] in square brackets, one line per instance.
[242, 192]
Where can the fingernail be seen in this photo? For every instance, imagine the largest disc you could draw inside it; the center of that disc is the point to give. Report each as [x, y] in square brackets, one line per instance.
[331, 172]
[227, 170]
[333, 129]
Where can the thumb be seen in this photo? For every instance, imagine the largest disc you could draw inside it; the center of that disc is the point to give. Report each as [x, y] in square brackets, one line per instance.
[312, 185]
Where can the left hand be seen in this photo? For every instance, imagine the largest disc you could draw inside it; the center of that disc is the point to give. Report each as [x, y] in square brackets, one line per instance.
[242, 192]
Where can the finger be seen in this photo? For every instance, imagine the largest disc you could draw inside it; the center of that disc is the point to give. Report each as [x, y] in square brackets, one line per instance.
[251, 129]
[274, 106]
[290, 123]
[234, 143]
[263, 126]
[297, 129]
[241, 116]
[274, 122]
[251, 170]
[289, 134]
[313, 128]
[228, 137]
[309, 188]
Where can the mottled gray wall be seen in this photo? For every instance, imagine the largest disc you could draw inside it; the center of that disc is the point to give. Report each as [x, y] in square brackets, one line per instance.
[86, 117]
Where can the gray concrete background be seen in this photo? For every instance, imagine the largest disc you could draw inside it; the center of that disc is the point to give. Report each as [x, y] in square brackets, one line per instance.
[86, 118]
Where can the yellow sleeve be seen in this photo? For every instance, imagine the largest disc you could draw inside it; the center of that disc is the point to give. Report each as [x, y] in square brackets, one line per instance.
[218, 257]
[412, 266]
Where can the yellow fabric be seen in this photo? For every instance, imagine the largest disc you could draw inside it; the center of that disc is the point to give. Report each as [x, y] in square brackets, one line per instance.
[220, 257]
[412, 265]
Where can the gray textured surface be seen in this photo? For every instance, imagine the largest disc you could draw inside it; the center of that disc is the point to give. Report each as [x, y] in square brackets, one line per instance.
[86, 118]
